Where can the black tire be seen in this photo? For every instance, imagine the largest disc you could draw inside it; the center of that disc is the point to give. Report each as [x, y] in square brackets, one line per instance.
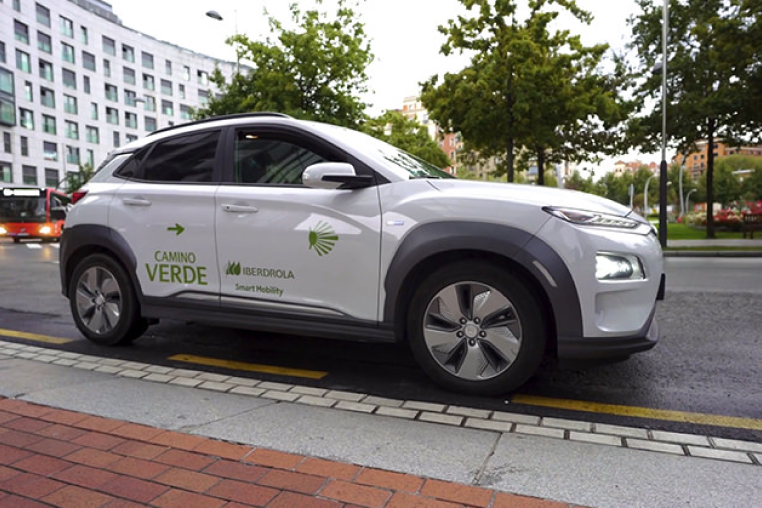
[16, 240]
[491, 344]
[103, 302]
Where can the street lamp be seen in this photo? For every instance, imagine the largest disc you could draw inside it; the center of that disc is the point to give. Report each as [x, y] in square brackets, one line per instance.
[645, 196]
[687, 197]
[662, 66]
[216, 15]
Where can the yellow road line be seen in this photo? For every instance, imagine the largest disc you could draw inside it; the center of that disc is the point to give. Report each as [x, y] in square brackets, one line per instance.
[33, 336]
[641, 412]
[249, 367]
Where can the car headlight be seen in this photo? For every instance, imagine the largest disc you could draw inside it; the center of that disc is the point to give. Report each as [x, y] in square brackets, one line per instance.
[3, 231]
[586, 218]
[611, 266]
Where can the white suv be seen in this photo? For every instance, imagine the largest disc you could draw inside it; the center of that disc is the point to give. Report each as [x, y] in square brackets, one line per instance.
[265, 222]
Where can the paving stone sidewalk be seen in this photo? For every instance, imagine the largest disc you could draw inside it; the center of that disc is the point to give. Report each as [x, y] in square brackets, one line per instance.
[54, 457]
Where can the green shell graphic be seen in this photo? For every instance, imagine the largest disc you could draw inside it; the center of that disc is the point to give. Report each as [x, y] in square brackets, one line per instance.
[323, 238]
[233, 268]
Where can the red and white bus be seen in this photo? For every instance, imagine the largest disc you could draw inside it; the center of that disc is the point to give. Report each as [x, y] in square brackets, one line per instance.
[30, 212]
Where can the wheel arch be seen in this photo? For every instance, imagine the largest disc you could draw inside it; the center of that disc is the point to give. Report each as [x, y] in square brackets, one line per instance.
[430, 246]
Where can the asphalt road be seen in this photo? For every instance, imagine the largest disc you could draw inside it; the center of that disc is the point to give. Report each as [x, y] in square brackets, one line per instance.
[709, 359]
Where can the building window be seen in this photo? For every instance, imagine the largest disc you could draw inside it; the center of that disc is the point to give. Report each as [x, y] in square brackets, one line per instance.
[92, 135]
[2, 52]
[17, 5]
[47, 97]
[90, 158]
[28, 93]
[51, 177]
[129, 98]
[128, 53]
[147, 60]
[70, 104]
[129, 75]
[72, 154]
[129, 138]
[112, 116]
[67, 27]
[83, 38]
[44, 43]
[185, 112]
[6, 175]
[69, 79]
[43, 15]
[72, 129]
[7, 110]
[150, 103]
[106, 68]
[186, 73]
[86, 84]
[167, 108]
[93, 111]
[22, 61]
[166, 87]
[88, 61]
[181, 91]
[29, 175]
[203, 97]
[109, 46]
[7, 143]
[115, 139]
[167, 67]
[26, 119]
[131, 120]
[21, 31]
[150, 123]
[46, 70]
[148, 82]
[24, 145]
[67, 53]
[203, 78]
[49, 124]
[112, 93]
[6, 82]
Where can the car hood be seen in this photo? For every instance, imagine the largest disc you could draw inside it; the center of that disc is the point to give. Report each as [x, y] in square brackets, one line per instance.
[532, 194]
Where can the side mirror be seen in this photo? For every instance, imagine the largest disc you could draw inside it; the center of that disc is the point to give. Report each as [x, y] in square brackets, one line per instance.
[334, 175]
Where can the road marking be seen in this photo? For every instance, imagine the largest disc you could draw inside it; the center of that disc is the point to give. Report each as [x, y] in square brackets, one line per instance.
[34, 336]
[641, 412]
[249, 367]
[33, 246]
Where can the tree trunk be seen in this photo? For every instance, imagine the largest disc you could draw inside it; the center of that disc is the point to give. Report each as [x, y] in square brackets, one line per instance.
[540, 166]
[710, 179]
[509, 159]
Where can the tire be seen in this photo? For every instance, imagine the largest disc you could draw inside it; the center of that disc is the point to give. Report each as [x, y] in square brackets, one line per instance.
[16, 240]
[103, 302]
[476, 329]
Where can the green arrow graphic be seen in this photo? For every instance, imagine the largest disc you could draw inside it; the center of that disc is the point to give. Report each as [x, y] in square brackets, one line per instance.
[178, 229]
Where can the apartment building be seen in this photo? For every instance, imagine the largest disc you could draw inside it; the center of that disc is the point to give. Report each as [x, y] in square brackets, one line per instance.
[75, 83]
[696, 162]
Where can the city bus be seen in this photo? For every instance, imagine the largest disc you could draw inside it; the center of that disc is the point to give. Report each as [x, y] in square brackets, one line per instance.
[30, 212]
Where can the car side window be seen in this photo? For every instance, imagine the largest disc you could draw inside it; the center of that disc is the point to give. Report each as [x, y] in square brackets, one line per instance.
[181, 159]
[266, 160]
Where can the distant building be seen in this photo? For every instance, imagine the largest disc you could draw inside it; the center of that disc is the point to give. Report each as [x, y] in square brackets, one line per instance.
[75, 83]
[695, 162]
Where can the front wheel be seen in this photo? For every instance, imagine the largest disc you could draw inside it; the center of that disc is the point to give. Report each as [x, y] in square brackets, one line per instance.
[474, 328]
[103, 302]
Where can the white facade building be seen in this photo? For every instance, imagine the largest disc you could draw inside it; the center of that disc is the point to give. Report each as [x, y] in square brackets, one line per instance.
[75, 83]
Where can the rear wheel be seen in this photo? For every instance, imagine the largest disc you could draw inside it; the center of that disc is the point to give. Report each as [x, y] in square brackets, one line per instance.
[16, 240]
[103, 302]
[476, 329]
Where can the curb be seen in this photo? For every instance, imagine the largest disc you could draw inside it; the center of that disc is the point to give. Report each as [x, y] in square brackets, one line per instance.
[712, 254]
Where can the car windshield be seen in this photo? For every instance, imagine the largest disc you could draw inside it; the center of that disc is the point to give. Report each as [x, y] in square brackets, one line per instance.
[22, 209]
[398, 160]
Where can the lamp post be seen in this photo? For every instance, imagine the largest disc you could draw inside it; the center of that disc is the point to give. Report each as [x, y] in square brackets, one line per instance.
[687, 198]
[662, 66]
[645, 195]
[216, 15]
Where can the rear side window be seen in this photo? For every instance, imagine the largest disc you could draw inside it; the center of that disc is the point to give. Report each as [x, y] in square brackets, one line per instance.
[180, 159]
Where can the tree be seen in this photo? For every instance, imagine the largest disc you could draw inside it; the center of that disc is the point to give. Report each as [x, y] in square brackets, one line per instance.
[709, 71]
[314, 72]
[576, 182]
[727, 188]
[525, 86]
[396, 129]
[76, 180]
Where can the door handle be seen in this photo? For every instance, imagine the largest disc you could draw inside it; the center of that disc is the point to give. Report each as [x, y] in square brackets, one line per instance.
[239, 209]
[136, 202]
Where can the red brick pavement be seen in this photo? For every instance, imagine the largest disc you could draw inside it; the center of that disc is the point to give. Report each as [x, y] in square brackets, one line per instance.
[53, 457]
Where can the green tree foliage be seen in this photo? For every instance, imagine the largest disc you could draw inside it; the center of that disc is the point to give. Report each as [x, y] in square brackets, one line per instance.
[406, 134]
[525, 86]
[76, 180]
[727, 187]
[576, 182]
[315, 71]
[710, 64]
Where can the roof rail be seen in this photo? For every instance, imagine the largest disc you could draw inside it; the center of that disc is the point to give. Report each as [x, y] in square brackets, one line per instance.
[222, 117]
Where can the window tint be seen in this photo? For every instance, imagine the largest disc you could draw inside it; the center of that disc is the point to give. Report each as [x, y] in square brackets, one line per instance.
[182, 159]
[265, 160]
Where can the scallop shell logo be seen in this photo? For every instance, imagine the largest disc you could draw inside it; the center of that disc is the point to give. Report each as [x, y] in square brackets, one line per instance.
[323, 238]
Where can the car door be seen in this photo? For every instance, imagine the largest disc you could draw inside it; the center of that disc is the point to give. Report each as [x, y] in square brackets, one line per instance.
[165, 211]
[286, 247]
